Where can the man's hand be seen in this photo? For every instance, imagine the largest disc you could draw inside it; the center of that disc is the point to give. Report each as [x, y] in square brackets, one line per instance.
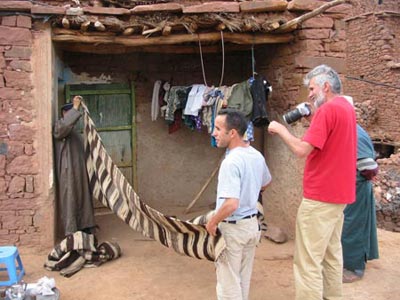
[275, 127]
[211, 228]
[77, 102]
[369, 174]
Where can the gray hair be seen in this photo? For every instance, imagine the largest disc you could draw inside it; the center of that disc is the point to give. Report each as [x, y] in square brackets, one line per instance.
[322, 74]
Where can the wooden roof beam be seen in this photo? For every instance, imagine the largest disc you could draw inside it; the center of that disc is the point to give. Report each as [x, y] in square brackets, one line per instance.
[71, 36]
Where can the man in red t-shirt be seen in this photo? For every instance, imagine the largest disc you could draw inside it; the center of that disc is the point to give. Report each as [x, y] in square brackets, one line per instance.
[330, 145]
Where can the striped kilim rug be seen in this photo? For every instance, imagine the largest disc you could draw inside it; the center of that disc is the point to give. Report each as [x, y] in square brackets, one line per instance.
[111, 188]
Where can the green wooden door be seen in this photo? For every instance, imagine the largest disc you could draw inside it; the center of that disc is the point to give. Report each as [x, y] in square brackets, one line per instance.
[112, 109]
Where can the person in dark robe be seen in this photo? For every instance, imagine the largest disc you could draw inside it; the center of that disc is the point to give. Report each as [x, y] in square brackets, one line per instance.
[75, 205]
[359, 235]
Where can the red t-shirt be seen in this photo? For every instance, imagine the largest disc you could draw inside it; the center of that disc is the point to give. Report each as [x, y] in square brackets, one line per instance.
[330, 171]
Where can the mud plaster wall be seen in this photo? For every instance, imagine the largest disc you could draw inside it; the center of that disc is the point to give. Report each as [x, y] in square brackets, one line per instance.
[171, 168]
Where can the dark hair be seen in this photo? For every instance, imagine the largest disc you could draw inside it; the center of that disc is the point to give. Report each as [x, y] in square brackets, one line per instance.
[234, 120]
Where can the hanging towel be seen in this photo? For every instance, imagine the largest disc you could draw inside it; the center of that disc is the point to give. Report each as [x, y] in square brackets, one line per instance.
[155, 106]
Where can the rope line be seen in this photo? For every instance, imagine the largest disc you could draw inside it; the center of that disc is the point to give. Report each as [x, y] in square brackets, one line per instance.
[223, 60]
[373, 82]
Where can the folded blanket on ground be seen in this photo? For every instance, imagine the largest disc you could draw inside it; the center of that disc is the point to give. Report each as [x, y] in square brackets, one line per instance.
[78, 250]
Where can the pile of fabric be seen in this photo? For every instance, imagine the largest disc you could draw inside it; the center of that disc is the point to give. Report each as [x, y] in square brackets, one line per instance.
[80, 250]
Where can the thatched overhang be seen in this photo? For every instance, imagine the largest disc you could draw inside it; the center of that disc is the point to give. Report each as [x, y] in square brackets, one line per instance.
[122, 26]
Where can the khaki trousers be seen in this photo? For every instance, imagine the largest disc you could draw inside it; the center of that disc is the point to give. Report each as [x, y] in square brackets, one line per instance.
[318, 260]
[234, 272]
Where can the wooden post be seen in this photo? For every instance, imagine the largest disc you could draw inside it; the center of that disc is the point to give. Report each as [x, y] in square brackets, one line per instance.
[204, 186]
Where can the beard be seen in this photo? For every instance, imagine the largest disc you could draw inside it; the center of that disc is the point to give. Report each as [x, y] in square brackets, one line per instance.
[319, 99]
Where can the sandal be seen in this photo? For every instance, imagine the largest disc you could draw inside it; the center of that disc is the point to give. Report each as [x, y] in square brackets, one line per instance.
[350, 276]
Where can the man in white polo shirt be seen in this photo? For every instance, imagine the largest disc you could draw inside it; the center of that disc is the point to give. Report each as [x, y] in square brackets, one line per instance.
[243, 174]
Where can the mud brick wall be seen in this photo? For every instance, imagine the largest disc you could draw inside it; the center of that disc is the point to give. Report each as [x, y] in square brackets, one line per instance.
[363, 6]
[18, 162]
[373, 54]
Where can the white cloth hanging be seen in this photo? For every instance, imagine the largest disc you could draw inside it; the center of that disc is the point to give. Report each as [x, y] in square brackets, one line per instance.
[155, 106]
[195, 100]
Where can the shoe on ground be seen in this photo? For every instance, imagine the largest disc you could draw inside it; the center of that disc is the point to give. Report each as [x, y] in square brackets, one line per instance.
[350, 276]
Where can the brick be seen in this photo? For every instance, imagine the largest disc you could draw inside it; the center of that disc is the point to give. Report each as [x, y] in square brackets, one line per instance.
[13, 222]
[24, 21]
[2, 165]
[15, 36]
[318, 22]
[2, 63]
[15, 5]
[10, 94]
[15, 149]
[3, 186]
[17, 185]
[17, 204]
[310, 62]
[106, 10]
[336, 46]
[206, 7]
[23, 165]
[19, 132]
[304, 5]
[17, 79]
[19, 52]
[314, 34]
[24, 115]
[162, 7]
[29, 184]
[21, 65]
[3, 131]
[8, 117]
[310, 45]
[29, 149]
[263, 6]
[10, 21]
[48, 10]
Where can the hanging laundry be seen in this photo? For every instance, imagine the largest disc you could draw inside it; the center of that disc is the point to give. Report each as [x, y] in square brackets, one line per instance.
[249, 134]
[260, 88]
[155, 105]
[177, 97]
[241, 99]
[194, 100]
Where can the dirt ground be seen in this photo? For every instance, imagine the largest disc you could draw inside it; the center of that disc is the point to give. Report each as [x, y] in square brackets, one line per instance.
[149, 271]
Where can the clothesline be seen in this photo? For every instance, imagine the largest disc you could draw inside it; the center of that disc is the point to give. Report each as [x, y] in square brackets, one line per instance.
[197, 105]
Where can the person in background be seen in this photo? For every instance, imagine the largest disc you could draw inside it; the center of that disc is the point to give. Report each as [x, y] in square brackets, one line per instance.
[74, 202]
[330, 148]
[242, 175]
[359, 236]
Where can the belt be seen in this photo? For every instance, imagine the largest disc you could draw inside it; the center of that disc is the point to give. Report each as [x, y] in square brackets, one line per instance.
[235, 221]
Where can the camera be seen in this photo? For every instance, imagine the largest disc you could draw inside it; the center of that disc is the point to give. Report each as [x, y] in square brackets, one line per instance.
[301, 110]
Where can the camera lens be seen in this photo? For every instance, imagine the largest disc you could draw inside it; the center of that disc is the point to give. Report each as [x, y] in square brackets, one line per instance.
[292, 116]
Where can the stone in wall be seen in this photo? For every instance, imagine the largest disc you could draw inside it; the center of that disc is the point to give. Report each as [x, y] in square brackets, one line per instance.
[366, 113]
[387, 193]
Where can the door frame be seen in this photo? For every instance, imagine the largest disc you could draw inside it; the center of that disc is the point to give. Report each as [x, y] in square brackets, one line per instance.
[115, 88]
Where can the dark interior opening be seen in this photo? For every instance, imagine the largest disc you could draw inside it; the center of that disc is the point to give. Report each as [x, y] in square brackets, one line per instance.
[383, 150]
